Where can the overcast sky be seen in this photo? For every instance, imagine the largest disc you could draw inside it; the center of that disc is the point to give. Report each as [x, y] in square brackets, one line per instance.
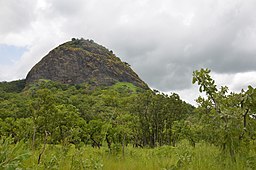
[163, 40]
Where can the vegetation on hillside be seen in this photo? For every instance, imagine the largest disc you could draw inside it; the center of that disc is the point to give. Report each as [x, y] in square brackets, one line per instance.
[12, 87]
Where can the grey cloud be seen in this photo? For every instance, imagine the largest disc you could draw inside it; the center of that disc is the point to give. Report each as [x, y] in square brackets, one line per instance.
[15, 15]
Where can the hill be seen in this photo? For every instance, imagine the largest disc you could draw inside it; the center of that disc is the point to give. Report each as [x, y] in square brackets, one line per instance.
[13, 86]
[83, 61]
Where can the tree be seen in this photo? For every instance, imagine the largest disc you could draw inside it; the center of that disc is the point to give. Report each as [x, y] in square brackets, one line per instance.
[42, 108]
[223, 115]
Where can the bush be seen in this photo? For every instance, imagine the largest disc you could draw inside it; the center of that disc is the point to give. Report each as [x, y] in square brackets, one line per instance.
[12, 155]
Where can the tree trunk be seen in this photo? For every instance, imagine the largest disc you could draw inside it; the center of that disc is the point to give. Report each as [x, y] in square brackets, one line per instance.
[123, 146]
[109, 143]
[41, 153]
[34, 138]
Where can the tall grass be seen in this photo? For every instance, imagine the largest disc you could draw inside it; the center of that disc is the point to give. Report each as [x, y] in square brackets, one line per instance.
[201, 157]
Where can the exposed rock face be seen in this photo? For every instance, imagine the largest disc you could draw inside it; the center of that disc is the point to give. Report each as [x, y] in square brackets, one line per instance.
[83, 61]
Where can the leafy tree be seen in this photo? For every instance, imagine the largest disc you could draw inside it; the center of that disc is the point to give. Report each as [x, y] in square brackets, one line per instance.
[224, 115]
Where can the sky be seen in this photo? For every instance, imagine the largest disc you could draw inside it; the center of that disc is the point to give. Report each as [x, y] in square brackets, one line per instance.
[164, 41]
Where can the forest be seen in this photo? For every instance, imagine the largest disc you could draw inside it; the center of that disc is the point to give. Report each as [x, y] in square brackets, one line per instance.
[49, 125]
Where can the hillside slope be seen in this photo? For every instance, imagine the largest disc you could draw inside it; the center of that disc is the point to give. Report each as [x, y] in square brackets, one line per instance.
[83, 61]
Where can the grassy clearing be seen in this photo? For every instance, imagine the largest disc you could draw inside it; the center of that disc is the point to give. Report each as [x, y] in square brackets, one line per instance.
[120, 86]
[55, 157]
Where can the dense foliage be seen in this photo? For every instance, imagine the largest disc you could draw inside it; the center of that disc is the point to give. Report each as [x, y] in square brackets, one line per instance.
[121, 114]
[12, 87]
[47, 123]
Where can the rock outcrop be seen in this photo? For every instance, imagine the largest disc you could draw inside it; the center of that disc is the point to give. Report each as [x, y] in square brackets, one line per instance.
[83, 61]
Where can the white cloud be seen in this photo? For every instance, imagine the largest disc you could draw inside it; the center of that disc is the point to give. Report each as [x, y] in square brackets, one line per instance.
[236, 82]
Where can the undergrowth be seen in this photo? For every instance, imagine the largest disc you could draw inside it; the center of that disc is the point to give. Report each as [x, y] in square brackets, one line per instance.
[183, 156]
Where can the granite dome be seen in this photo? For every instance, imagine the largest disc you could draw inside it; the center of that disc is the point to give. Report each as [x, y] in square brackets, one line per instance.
[83, 61]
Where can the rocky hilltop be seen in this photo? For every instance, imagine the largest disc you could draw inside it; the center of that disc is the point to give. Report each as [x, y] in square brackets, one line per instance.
[83, 61]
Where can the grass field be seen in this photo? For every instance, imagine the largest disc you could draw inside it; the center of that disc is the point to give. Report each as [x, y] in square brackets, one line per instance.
[201, 157]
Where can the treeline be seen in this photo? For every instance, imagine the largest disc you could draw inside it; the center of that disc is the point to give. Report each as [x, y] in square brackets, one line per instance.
[121, 115]
[12, 87]
[53, 113]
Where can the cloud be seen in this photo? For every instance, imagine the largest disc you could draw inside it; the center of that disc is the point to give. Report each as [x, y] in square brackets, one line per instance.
[16, 16]
[164, 41]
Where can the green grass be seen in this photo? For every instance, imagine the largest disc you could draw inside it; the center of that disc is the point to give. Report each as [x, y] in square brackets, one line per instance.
[184, 156]
[125, 86]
